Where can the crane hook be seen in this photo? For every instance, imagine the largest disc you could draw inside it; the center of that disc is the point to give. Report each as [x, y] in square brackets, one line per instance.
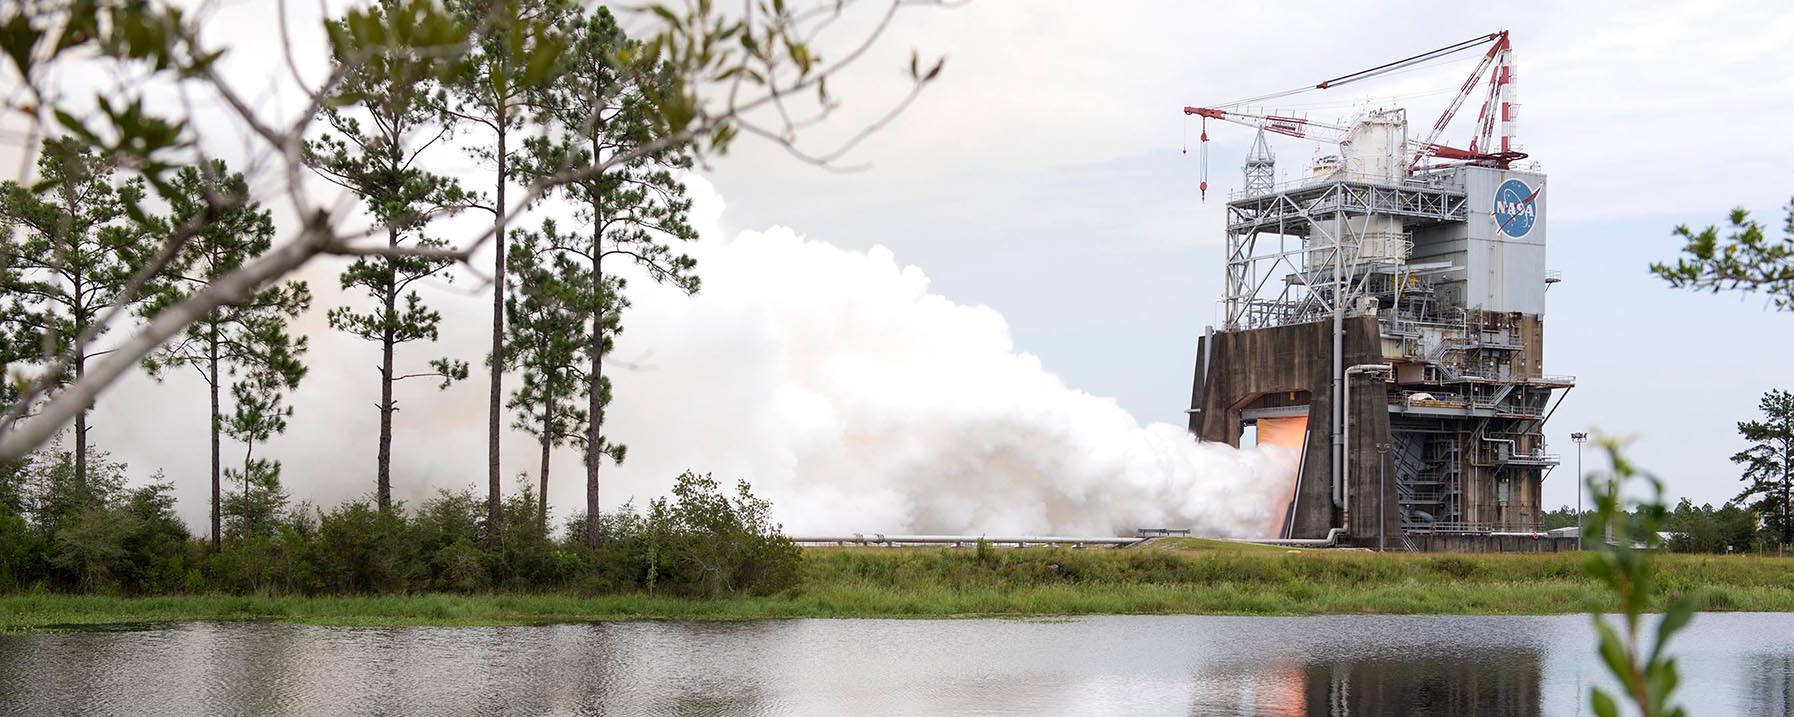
[1202, 160]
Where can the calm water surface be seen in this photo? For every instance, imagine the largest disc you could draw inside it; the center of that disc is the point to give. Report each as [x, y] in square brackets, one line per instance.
[1732, 664]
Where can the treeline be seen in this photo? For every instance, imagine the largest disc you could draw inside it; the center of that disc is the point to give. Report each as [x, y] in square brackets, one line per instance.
[98, 535]
[1698, 528]
[551, 96]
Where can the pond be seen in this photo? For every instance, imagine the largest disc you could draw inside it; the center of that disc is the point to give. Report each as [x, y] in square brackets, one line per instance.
[1732, 664]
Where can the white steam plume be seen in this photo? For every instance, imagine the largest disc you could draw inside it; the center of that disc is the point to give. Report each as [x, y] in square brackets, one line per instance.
[857, 401]
[832, 380]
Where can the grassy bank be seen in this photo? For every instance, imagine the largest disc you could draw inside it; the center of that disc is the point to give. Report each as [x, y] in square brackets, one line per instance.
[1165, 577]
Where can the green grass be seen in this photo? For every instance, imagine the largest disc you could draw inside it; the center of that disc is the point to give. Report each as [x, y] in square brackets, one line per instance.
[1176, 576]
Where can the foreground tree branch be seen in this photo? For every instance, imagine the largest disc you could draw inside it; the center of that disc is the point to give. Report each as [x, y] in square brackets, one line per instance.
[763, 56]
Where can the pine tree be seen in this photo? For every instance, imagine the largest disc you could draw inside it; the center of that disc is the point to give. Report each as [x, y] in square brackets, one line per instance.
[259, 414]
[249, 337]
[389, 84]
[1769, 464]
[602, 108]
[545, 344]
[69, 261]
[515, 52]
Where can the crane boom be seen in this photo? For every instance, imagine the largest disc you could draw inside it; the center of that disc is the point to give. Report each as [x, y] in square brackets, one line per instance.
[1484, 148]
[1303, 128]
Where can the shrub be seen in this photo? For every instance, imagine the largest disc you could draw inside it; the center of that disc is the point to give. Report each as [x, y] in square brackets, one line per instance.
[361, 549]
[704, 543]
[459, 567]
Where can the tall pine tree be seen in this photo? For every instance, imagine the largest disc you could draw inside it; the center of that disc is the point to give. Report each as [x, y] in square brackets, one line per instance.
[69, 259]
[383, 117]
[600, 109]
[545, 343]
[1769, 464]
[247, 342]
[516, 49]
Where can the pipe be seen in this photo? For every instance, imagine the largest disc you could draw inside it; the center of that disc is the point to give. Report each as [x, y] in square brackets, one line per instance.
[1338, 355]
[1331, 540]
[1346, 465]
[883, 539]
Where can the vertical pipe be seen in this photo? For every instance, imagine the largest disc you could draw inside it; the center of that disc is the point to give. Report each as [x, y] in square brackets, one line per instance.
[1345, 442]
[1382, 499]
[1338, 357]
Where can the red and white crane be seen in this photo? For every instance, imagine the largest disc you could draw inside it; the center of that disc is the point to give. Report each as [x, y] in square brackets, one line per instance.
[1492, 144]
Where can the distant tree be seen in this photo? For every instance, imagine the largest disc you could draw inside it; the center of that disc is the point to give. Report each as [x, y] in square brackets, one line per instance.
[605, 107]
[260, 413]
[390, 86]
[1704, 529]
[1769, 464]
[1746, 260]
[545, 345]
[257, 510]
[53, 495]
[1564, 517]
[245, 341]
[515, 50]
[69, 259]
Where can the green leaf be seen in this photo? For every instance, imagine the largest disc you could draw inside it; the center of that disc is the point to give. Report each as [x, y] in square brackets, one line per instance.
[935, 71]
[1676, 618]
[543, 61]
[17, 37]
[1614, 654]
[1602, 703]
[666, 15]
[74, 125]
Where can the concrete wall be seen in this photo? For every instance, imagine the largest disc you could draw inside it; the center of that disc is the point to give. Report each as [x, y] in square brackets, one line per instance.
[1492, 543]
[1288, 365]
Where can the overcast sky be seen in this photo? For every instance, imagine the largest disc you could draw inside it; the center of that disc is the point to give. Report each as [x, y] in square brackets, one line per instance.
[1043, 177]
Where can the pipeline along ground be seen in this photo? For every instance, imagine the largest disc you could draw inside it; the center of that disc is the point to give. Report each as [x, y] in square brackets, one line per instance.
[1166, 576]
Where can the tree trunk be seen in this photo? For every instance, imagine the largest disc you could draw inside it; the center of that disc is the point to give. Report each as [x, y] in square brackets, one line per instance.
[217, 488]
[383, 475]
[248, 457]
[495, 409]
[594, 397]
[81, 428]
[547, 444]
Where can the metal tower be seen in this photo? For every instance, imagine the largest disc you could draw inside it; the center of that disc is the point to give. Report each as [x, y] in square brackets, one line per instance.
[1429, 273]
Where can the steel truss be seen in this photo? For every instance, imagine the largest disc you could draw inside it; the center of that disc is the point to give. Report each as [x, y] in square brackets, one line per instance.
[1319, 257]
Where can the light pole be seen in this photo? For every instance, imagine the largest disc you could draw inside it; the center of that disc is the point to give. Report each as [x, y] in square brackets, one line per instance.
[1382, 500]
[1580, 438]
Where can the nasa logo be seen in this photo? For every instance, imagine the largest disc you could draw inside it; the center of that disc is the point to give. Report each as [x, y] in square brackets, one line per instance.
[1515, 208]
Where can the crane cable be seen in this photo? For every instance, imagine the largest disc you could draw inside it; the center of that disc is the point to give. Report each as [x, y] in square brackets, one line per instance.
[1383, 69]
[1372, 72]
[1202, 159]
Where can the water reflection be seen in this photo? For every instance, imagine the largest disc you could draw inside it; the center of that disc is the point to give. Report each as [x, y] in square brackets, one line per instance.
[1771, 684]
[1334, 666]
[1509, 686]
[1503, 683]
